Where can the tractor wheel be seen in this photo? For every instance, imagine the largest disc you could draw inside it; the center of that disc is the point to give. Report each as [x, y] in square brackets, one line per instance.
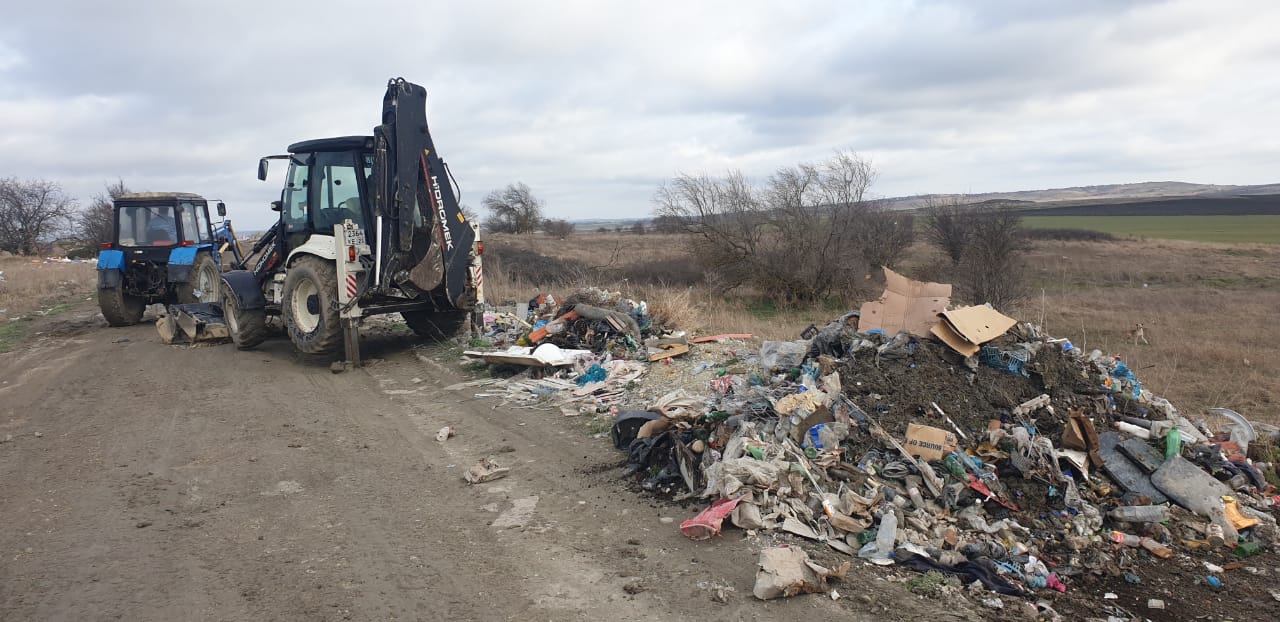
[435, 326]
[310, 306]
[205, 281]
[119, 308]
[247, 328]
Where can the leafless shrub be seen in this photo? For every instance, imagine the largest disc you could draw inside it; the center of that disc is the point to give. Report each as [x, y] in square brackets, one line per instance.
[638, 228]
[799, 237]
[95, 224]
[992, 267]
[558, 228]
[948, 224]
[32, 212]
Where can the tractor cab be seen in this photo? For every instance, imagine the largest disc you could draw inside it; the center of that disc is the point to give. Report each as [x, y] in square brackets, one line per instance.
[161, 220]
[162, 250]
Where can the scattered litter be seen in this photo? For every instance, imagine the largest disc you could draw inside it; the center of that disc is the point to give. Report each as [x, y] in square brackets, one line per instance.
[485, 470]
[787, 571]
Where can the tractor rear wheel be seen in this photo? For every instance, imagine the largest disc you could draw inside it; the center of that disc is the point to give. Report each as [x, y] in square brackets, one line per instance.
[205, 281]
[119, 308]
[310, 306]
[247, 328]
[435, 326]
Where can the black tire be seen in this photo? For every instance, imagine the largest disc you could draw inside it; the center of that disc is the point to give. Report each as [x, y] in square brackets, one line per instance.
[310, 306]
[120, 308]
[247, 328]
[205, 282]
[437, 326]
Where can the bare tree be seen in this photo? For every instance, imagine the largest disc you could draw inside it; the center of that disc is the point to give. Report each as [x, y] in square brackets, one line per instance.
[558, 228]
[32, 211]
[95, 224]
[795, 238]
[638, 228]
[948, 223]
[991, 267]
[513, 209]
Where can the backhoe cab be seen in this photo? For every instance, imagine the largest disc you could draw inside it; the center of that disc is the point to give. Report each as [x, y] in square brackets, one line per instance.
[367, 225]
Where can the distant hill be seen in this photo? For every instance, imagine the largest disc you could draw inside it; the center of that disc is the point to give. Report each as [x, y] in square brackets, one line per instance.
[1145, 198]
[1142, 190]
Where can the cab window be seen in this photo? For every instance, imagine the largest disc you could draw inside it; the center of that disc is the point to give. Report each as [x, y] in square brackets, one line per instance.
[146, 226]
[187, 214]
[338, 191]
[202, 223]
[294, 212]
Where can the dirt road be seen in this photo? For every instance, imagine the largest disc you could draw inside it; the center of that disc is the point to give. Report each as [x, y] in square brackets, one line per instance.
[152, 482]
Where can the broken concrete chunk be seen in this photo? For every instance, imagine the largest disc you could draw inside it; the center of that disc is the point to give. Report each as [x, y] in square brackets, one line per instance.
[1189, 486]
[1123, 471]
[1142, 454]
[787, 571]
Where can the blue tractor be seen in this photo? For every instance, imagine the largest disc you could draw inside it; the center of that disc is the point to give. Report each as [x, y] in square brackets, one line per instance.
[164, 249]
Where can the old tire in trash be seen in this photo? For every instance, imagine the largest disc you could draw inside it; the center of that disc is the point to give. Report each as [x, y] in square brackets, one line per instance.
[205, 281]
[247, 328]
[119, 308]
[310, 306]
[435, 325]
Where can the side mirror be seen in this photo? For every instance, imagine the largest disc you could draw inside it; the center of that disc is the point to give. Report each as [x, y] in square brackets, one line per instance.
[222, 209]
[262, 169]
[277, 206]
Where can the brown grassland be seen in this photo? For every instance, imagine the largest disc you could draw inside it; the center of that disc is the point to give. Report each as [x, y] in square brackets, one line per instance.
[1210, 310]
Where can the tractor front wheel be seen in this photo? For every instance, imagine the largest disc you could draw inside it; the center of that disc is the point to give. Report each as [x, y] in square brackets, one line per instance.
[247, 328]
[310, 306]
[205, 281]
[437, 326]
[119, 308]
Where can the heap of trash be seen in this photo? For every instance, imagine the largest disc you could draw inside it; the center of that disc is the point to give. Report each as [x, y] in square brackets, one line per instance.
[907, 432]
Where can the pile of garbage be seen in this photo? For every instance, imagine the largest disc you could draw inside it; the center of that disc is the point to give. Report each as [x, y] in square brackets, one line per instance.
[952, 441]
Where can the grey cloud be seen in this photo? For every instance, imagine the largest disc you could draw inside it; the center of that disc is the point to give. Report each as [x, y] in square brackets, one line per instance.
[593, 105]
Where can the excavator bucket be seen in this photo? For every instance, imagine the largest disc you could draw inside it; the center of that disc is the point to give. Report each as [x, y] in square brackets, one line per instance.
[193, 323]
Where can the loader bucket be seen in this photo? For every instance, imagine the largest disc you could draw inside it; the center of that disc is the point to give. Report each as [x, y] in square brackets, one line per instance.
[193, 323]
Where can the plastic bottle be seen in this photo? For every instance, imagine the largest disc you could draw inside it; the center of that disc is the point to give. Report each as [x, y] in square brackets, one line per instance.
[1141, 513]
[887, 534]
[1229, 534]
[916, 498]
[1172, 443]
[1120, 537]
[1157, 549]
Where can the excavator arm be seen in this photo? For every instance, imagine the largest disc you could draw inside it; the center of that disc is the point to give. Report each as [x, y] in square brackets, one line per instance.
[423, 241]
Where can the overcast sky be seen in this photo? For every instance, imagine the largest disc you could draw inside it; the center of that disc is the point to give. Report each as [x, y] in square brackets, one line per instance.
[593, 104]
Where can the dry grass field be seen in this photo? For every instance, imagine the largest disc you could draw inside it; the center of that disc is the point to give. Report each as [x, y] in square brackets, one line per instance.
[1210, 310]
[32, 288]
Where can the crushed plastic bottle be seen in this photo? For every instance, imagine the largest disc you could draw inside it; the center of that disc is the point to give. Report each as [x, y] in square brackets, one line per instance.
[880, 551]
[1141, 513]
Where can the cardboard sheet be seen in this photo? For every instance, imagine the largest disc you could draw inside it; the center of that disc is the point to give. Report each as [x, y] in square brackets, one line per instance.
[929, 442]
[906, 304]
[967, 328]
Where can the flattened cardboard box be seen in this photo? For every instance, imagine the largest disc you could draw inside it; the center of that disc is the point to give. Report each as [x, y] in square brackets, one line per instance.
[965, 329]
[906, 304]
[929, 442]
